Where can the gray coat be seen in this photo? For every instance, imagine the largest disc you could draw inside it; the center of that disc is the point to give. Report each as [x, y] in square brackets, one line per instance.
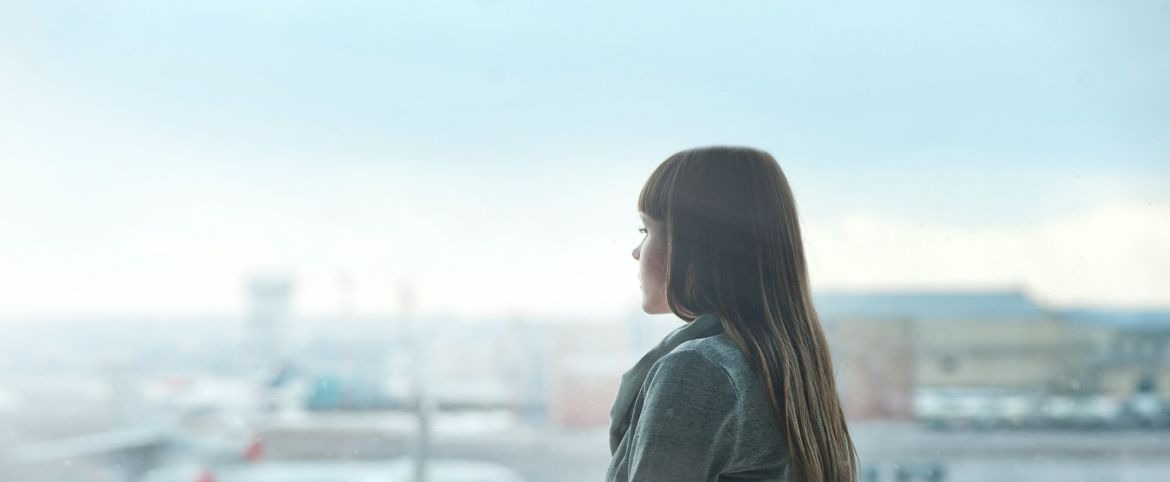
[701, 414]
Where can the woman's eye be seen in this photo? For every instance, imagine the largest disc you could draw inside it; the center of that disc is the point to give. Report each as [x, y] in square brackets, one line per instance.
[642, 230]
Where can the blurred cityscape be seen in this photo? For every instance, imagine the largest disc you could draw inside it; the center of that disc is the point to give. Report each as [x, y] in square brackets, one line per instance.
[940, 386]
[286, 165]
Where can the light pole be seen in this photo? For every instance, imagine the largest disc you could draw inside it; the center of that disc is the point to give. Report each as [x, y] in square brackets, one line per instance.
[424, 405]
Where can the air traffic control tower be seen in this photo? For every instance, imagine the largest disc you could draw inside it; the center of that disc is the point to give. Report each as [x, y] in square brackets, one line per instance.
[269, 305]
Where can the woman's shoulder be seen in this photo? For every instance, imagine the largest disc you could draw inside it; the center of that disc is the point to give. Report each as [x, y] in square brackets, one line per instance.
[717, 350]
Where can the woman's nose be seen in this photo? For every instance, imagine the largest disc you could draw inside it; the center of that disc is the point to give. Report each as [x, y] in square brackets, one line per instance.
[635, 253]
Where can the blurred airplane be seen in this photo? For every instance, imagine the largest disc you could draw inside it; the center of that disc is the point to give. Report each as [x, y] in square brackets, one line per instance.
[211, 438]
[203, 431]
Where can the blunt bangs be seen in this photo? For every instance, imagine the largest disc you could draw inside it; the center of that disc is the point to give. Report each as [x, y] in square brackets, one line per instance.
[654, 200]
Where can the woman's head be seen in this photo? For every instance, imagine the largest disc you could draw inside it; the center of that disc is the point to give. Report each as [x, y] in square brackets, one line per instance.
[722, 215]
[723, 237]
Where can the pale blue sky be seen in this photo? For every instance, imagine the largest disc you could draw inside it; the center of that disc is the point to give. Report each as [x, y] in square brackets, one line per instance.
[153, 153]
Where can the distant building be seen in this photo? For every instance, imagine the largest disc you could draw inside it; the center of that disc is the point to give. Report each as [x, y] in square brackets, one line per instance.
[875, 367]
[1130, 351]
[588, 363]
[887, 345]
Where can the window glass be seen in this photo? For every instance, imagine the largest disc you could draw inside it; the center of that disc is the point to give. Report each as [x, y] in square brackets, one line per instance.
[258, 240]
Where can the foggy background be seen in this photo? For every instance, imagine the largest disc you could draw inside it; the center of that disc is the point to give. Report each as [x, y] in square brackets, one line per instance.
[287, 213]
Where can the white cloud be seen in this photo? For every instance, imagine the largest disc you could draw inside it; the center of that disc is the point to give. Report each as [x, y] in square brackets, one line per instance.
[1116, 254]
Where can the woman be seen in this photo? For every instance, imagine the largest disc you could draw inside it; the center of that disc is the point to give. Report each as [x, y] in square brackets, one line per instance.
[744, 390]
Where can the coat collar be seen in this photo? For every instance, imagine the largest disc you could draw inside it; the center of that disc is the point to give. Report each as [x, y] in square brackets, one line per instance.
[702, 327]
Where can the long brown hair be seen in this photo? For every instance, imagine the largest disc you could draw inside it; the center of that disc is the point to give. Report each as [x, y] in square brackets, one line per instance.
[734, 249]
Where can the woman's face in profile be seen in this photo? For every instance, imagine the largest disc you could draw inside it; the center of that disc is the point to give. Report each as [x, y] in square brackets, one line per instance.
[651, 256]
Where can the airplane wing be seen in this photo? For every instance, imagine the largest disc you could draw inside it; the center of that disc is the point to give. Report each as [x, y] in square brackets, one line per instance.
[133, 440]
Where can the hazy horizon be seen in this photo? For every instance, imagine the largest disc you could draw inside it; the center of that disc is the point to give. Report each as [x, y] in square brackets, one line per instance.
[489, 153]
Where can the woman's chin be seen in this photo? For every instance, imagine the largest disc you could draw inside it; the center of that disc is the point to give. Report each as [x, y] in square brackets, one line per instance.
[654, 309]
